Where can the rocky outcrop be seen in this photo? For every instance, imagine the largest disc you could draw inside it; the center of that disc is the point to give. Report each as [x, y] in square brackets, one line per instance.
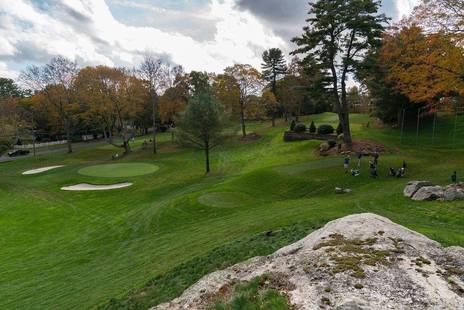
[362, 261]
[428, 193]
[425, 190]
[413, 186]
[453, 192]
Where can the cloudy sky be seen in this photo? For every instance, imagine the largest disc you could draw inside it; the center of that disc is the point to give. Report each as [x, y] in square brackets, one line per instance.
[198, 34]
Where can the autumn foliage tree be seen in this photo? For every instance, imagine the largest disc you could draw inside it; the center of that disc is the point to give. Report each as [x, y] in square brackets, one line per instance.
[114, 97]
[56, 81]
[249, 83]
[154, 73]
[227, 91]
[424, 67]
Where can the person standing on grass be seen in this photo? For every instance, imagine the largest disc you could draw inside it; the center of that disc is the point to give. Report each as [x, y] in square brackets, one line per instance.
[360, 155]
[373, 169]
[346, 163]
[454, 177]
[376, 157]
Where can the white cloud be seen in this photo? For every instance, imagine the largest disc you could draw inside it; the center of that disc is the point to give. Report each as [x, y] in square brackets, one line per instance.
[405, 7]
[86, 31]
[7, 73]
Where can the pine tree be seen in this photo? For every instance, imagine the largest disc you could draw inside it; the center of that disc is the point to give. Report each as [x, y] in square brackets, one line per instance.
[274, 66]
[338, 34]
[312, 127]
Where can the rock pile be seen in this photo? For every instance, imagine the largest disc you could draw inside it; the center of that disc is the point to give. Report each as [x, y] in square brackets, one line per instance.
[425, 190]
[362, 261]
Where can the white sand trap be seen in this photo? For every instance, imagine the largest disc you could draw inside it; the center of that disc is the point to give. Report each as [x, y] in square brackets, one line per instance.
[92, 187]
[40, 170]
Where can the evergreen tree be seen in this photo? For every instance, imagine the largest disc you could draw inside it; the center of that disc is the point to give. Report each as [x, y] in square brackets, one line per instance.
[337, 36]
[312, 127]
[274, 66]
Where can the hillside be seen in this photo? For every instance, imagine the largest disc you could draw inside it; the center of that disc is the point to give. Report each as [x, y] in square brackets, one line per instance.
[144, 245]
[361, 261]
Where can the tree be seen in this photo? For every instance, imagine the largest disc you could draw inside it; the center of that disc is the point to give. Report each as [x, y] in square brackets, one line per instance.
[56, 81]
[338, 34]
[155, 75]
[113, 97]
[424, 67]
[274, 67]
[249, 83]
[389, 102]
[270, 105]
[175, 98]
[8, 88]
[198, 82]
[202, 124]
[441, 16]
[227, 91]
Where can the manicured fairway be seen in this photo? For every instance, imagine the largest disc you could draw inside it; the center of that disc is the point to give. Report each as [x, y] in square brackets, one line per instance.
[78, 250]
[119, 170]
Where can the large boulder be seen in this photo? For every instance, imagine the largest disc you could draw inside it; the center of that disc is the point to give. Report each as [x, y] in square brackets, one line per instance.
[452, 193]
[361, 261]
[414, 186]
[429, 193]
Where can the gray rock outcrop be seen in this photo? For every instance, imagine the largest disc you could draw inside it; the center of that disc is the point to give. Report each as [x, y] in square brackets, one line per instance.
[452, 193]
[428, 193]
[413, 186]
[361, 261]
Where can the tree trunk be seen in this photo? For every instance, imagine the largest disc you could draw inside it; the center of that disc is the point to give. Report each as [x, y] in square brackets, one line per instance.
[68, 137]
[154, 100]
[207, 157]
[399, 116]
[341, 106]
[127, 148]
[344, 116]
[242, 119]
[273, 120]
[110, 135]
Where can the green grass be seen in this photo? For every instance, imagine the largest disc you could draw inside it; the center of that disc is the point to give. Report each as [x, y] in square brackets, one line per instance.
[119, 170]
[253, 295]
[78, 250]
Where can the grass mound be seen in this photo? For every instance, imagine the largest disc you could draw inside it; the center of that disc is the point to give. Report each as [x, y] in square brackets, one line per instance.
[172, 283]
[224, 199]
[119, 170]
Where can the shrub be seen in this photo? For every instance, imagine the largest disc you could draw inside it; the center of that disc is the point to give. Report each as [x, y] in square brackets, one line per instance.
[324, 147]
[339, 129]
[300, 128]
[332, 143]
[312, 127]
[292, 125]
[325, 129]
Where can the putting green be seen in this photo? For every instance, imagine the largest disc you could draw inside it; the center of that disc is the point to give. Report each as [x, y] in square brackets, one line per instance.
[119, 170]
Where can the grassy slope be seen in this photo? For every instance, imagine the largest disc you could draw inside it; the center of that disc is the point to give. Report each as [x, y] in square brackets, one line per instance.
[77, 250]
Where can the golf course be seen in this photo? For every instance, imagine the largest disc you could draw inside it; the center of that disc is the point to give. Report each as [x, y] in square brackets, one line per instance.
[138, 246]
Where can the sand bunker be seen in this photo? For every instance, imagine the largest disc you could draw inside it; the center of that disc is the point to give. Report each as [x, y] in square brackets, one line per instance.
[40, 170]
[92, 187]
